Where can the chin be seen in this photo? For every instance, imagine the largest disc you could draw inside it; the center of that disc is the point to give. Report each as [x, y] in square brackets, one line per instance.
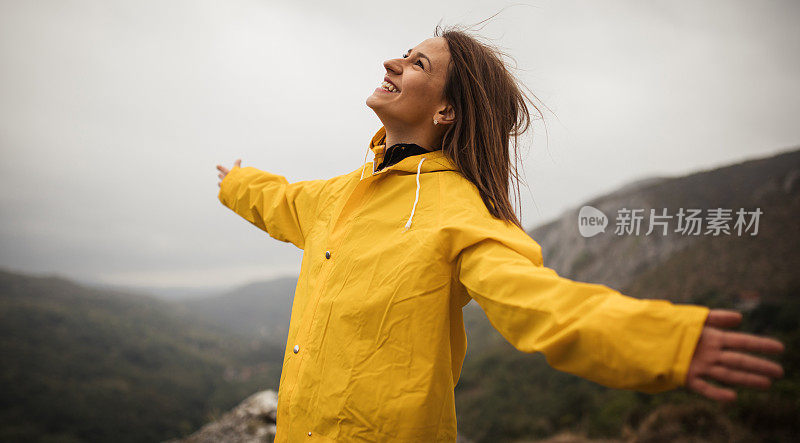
[373, 100]
[374, 103]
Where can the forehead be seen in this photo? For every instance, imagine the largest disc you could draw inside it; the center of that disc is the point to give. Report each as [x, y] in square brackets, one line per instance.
[435, 48]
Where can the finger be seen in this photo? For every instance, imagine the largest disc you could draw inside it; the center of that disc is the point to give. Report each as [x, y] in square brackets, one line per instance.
[751, 364]
[220, 176]
[723, 318]
[750, 342]
[713, 392]
[238, 162]
[734, 377]
[223, 169]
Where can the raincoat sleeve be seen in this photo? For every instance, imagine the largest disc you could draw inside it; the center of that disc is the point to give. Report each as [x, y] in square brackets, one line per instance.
[585, 329]
[283, 210]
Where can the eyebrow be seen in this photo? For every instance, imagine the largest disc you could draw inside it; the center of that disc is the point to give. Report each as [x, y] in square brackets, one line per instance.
[423, 56]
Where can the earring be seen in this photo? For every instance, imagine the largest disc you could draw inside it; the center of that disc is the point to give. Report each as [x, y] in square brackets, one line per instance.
[435, 122]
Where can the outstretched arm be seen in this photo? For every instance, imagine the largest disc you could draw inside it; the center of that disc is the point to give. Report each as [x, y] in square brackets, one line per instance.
[585, 329]
[595, 332]
[284, 210]
[592, 330]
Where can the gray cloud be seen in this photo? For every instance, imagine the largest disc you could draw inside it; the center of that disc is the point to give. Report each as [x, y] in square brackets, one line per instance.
[115, 113]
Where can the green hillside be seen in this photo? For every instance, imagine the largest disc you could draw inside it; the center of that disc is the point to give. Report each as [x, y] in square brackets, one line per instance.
[81, 364]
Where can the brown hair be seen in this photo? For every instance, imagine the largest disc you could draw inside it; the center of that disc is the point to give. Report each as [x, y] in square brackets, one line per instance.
[490, 110]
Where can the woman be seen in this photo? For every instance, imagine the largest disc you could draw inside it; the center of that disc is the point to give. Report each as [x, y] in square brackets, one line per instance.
[394, 249]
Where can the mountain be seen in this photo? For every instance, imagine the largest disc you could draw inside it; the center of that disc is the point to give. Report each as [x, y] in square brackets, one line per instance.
[260, 309]
[732, 263]
[84, 364]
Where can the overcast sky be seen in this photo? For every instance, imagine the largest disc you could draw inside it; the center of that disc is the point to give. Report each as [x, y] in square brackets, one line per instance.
[114, 114]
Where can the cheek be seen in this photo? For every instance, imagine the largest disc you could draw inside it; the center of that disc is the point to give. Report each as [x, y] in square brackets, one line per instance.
[423, 91]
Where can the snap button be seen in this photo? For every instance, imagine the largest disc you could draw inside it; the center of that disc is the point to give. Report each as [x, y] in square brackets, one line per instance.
[296, 349]
[309, 433]
[327, 254]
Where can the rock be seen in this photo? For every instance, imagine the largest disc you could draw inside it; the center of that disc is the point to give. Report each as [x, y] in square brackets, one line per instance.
[252, 421]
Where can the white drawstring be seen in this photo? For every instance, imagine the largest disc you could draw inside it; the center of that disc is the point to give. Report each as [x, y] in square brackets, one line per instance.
[365, 164]
[416, 197]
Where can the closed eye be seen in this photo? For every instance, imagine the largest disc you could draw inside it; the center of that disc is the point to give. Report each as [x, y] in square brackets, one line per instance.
[418, 62]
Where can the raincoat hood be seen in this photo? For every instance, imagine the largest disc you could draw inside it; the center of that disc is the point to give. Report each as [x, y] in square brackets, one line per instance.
[433, 161]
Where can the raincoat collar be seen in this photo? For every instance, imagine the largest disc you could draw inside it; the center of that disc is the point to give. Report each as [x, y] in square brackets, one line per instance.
[434, 160]
[399, 151]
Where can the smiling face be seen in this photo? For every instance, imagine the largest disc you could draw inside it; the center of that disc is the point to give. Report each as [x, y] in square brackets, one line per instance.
[415, 85]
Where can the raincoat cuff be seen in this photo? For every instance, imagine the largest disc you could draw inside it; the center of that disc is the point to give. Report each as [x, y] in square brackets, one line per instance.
[695, 318]
[225, 188]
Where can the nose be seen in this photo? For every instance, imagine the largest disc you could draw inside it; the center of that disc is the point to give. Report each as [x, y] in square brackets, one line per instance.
[393, 66]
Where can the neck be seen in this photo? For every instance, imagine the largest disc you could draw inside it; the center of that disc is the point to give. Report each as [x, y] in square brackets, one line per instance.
[426, 139]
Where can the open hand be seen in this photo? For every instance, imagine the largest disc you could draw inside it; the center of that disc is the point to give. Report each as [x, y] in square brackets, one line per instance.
[224, 171]
[716, 357]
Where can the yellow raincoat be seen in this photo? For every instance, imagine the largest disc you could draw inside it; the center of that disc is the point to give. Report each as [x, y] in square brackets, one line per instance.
[376, 338]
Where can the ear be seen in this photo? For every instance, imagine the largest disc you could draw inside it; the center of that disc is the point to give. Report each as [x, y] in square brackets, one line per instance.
[446, 115]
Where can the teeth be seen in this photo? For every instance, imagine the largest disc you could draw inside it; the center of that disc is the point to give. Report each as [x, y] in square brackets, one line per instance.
[388, 86]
